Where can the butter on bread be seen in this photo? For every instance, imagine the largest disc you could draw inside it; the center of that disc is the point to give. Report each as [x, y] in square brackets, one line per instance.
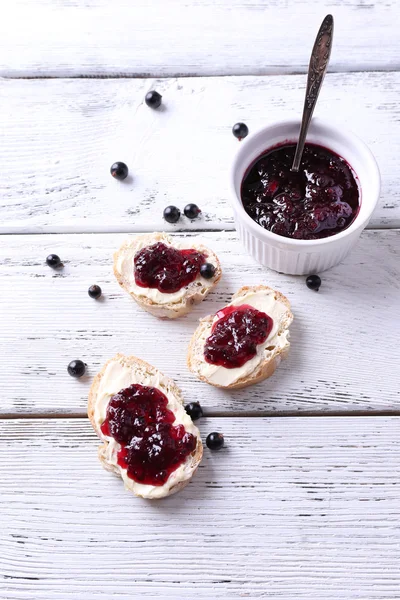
[121, 372]
[269, 354]
[163, 305]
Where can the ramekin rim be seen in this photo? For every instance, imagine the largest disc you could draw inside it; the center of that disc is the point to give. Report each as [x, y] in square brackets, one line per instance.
[269, 236]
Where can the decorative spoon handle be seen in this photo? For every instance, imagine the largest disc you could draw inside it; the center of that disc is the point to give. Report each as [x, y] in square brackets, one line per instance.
[316, 72]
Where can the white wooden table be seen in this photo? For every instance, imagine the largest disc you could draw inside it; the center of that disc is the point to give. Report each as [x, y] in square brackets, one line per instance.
[304, 501]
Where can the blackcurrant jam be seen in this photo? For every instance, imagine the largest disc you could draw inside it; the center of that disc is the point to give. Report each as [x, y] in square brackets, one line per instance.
[151, 446]
[235, 336]
[318, 201]
[166, 268]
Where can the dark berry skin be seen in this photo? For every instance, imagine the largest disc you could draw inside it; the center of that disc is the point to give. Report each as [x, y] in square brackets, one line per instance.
[313, 282]
[153, 99]
[194, 410]
[94, 291]
[172, 214]
[53, 261]
[76, 368]
[119, 171]
[240, 130]
[215, 440]
[207, 271]
[191, 211]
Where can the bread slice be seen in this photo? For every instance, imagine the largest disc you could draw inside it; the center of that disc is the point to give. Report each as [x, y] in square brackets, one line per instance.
[164, 306]
[268, 355]
[121, 372]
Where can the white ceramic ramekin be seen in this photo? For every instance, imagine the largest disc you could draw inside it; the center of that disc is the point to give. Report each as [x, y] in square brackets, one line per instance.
[299, 257]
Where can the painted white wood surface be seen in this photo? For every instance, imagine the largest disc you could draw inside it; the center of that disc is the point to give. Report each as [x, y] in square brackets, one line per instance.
[59, 138]
[344, 338]
[196, 37]
[290, 508]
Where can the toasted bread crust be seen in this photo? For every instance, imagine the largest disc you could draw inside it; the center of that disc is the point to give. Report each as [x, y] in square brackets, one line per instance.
[193, 296]
[132, 361]
[265, 369]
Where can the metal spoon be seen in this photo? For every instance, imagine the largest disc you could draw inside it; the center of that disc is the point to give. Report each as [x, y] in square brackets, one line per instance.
[316, 72]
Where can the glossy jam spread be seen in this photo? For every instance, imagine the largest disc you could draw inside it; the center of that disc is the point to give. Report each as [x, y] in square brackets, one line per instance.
[235, 336]
[151, 446]
[166, 268]
[320, 200]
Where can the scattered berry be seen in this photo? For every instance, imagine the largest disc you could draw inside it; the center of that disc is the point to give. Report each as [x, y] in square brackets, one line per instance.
[191, 211]
[172, 214]
[207, 271]
[153, 99]
[194, 410]
[313, 282]
[240, 130]
[94, 291]
[215, 440]
[76, 368]
[119, 171]
[53, 261]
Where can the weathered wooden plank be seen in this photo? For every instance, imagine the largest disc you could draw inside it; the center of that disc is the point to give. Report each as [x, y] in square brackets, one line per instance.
[344, 339]
[176, 37]
[59, 138]
[295, 507]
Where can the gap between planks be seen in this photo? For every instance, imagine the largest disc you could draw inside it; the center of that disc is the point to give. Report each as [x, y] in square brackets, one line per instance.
[221, 414]
[271, 71]
[132, 229]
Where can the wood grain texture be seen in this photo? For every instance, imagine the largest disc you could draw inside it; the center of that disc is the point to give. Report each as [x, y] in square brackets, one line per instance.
[59, 138]
[196, 37]
[344, 339]
[290, 508]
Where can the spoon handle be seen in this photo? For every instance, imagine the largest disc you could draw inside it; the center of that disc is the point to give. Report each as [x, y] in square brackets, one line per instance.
[316, 72]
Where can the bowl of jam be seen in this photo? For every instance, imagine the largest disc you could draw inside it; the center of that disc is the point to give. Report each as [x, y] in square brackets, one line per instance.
[305, 221]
